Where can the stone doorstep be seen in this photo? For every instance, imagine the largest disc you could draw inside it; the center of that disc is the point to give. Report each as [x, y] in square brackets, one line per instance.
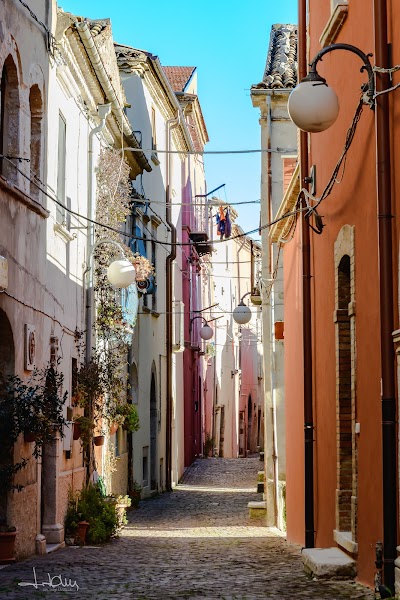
[257, 510]
[328, 563]
[54, 547]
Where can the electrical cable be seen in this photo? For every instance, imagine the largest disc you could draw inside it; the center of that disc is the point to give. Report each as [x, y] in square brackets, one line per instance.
[255, 151]
[125, 234]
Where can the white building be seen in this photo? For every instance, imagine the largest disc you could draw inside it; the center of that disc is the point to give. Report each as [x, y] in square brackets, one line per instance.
[234, 399]
[278, 134]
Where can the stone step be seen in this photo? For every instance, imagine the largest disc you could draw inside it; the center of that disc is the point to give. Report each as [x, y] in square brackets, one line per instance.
[257, 510]
[328, 563]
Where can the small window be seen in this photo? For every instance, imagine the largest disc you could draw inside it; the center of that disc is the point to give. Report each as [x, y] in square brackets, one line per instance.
[36, 110]
[153, 130]
[61, 168]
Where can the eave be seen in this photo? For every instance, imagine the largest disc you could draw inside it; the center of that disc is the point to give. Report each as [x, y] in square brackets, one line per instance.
[282, 228]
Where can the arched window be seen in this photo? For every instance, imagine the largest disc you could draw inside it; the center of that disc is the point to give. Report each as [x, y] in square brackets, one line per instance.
[36, 110]
[344, 397]
[9, 118]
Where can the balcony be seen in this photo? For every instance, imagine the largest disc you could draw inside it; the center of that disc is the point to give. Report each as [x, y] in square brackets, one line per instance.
[200, 242]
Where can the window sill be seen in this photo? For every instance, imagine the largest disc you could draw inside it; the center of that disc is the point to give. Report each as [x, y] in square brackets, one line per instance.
[154, 158]
[150, 311]
[63, 233]
[344, 540]
[10, 189]
[334, 24]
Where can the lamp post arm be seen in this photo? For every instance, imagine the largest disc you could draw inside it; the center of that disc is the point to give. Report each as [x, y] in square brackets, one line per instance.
[243, 297]
[96, 245]
[198, 317]
[368, 87]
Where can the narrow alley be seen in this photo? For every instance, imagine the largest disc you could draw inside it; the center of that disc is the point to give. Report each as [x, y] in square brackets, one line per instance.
[196, 542]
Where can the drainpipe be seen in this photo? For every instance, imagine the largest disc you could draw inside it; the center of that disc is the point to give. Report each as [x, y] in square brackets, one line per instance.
[271, 339]
[384, 201]
[103, 110]
[170, 124]
[111, 95]
[307, 339]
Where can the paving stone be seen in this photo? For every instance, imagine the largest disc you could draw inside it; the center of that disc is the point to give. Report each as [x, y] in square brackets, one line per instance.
[196, 542]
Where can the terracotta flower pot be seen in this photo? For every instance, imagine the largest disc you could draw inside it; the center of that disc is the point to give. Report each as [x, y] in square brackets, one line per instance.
[113, 428]
[99, 440]
[76, 434]
[7, 543]
[29, 437]
[82, 531]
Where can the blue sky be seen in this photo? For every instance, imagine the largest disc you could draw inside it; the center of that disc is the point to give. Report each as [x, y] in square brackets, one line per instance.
[227, 41]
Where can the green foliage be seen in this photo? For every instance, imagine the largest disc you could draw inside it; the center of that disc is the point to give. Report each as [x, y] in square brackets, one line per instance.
[34, 407]
[130, 416]
[99, 511]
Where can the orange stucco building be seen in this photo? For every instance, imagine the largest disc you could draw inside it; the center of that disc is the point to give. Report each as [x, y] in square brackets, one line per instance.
[352, 327]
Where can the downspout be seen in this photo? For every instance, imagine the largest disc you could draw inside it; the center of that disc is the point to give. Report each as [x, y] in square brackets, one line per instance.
[105, 82]
[307, 339]
[271, 341]
[170, 124]
[103, 110]
[384, 201]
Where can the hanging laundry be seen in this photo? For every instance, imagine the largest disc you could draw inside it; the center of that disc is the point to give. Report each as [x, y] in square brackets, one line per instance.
[228, 224]
[221, 221]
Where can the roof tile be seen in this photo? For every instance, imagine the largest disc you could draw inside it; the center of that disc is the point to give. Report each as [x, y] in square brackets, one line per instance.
[178, 77]
[281, 68]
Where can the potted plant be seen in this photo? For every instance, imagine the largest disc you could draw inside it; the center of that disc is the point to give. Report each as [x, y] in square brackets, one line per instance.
[113, 428]
[91, 507]
[99, 440]
[7, 543]
[83, 429]
[135, 494]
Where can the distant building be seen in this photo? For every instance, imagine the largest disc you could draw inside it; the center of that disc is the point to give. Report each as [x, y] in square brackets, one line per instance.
[279, 139]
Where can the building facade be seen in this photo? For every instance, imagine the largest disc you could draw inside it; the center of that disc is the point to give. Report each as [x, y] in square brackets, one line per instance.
[279, 138]
[341, 294]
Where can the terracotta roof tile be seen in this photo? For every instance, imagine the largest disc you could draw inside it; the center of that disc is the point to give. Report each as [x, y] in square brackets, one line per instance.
[281, 68]
[179, 77]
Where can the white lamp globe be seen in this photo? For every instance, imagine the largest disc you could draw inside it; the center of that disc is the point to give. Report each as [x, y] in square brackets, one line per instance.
[121, 273]
[206, 332]
[313, 106]
[242, 314]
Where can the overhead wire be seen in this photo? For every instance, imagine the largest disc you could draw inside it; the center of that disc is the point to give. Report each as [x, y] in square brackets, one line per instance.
[126, 234]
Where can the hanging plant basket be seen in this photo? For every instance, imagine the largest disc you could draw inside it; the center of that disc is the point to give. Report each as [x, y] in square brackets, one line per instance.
[99, 440]
[76, 431]
[113, 428]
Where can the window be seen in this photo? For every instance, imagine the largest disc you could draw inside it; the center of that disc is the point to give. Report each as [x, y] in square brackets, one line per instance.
[154, 263]
[36, 110]
[9, 118]
[153, 130]
[61, 171]
[145, 297]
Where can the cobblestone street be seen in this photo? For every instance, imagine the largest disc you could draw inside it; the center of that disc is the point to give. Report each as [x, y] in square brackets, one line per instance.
[196, 542]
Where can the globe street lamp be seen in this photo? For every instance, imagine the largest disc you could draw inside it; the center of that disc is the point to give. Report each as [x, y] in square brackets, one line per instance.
[206, 333]
[120, 273]
[242, 313]
[313, 106]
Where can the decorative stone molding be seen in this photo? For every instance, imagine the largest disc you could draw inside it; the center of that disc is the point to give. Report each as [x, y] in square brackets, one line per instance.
[339, 10]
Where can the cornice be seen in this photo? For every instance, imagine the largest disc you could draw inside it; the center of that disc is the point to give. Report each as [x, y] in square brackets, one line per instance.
[281, 228]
